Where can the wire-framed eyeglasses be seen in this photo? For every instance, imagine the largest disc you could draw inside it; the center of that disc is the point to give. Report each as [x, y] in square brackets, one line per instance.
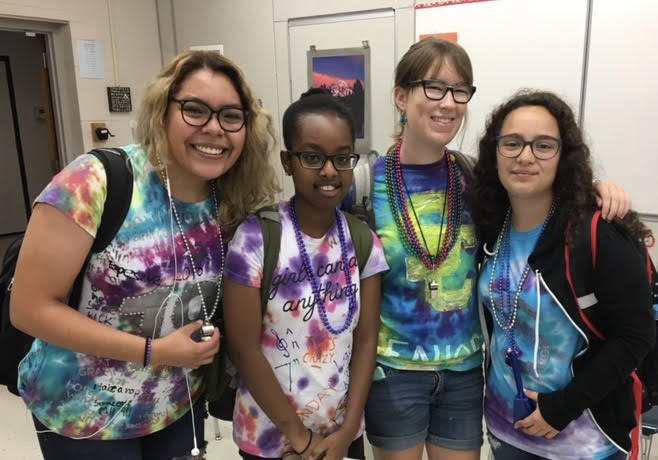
[543, 147]
[317, 160]
[198, 113]
[437, 90]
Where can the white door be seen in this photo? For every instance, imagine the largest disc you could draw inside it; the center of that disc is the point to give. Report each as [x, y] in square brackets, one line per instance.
[351, 31]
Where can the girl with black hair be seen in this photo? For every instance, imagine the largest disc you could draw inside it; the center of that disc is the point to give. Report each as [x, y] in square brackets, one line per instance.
[305, 364]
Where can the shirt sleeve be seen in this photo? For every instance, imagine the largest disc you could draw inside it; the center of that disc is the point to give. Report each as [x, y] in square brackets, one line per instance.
[376, 262]
[244, 258]
[79, 191]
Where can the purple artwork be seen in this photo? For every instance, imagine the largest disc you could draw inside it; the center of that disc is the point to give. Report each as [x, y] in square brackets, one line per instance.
[344, 76]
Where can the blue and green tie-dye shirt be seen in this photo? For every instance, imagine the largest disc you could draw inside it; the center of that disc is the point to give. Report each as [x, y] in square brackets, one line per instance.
[548, 342]
[420, 331]
[129, 286]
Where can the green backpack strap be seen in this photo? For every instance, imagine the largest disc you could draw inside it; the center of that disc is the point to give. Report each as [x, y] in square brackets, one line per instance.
[361, 239]
[217, 378]
[270, 224]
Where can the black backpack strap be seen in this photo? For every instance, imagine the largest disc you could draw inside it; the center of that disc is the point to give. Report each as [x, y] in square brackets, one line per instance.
[119, 174]
[118, 171]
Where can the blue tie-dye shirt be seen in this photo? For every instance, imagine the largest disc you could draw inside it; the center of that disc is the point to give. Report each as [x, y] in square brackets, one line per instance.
[129, 286]
[420, 331]
[548, 342]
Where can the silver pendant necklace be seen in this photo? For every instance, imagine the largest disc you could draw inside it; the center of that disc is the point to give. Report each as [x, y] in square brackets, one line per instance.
[207, 329]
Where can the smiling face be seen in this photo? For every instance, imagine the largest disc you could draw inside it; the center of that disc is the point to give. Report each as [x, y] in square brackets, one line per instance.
[431, 124]
[320, 189]
[525, 176]
[200, 154]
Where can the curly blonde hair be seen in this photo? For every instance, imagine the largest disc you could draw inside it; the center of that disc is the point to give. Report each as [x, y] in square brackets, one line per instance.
[251, 182]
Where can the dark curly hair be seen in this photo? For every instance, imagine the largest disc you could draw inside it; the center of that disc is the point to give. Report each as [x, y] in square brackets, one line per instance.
[572, 187]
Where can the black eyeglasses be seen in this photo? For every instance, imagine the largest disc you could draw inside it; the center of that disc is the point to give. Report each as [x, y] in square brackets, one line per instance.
[197, 113]
[543, 148]
[317, 160]
[437, 90]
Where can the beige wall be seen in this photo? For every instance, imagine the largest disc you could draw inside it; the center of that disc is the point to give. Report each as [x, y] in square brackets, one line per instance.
[128, 32]
[255, 34]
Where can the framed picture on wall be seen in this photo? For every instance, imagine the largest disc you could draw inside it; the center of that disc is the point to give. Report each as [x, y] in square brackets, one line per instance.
[346, 73]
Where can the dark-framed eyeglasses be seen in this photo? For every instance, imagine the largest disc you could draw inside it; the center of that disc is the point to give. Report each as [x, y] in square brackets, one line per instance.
[437, 90]
[198, 113]
[317, 160]
[543, 147]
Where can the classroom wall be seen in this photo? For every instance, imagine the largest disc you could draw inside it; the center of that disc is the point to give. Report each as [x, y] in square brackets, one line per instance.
[128, 32]
[255, 34]
[149, 32]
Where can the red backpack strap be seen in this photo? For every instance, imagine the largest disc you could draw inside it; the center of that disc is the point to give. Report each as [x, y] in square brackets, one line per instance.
[567, 261]
[637, 384]
[593, 232]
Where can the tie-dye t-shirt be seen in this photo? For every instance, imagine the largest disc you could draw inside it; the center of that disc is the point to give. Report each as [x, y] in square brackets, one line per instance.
[547, 348]
[422, 330]
[129, 286]
[309, 361]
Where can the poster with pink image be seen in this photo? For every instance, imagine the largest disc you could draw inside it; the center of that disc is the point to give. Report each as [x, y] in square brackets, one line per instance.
[345, 75]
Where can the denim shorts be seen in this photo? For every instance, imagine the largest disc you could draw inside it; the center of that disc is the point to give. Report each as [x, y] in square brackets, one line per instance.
[442, 408]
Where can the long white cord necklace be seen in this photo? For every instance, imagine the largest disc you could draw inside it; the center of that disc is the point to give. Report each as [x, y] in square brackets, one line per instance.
[207, 329]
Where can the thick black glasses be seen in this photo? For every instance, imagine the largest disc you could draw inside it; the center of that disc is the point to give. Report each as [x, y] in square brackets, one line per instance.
[317, 160]
[437, 90]
[197, 113]
[543, 148]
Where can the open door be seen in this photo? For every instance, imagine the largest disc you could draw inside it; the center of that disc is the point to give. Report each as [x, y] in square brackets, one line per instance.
[13, 180]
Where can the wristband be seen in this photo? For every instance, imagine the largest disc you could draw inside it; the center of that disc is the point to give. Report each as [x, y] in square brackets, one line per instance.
[308, 444]
[147, 351]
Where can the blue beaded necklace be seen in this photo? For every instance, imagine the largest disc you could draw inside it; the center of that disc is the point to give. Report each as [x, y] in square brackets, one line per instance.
[311, 275]
[505, 314]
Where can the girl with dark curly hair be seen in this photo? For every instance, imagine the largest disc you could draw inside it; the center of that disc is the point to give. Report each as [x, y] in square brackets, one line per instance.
[553, 389]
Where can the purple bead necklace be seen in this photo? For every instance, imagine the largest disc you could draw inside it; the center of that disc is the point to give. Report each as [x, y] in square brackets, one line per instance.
[314, 281]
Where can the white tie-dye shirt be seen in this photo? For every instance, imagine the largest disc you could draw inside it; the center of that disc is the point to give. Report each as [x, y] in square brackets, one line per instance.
[310, 363]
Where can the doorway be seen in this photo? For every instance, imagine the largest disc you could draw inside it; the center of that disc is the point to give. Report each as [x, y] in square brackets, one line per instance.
[29, 154]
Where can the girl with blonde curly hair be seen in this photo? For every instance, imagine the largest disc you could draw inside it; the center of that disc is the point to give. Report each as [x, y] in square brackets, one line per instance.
[116, 375]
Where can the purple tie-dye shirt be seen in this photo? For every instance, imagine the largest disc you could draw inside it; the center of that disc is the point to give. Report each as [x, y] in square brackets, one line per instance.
[310, 363]
[129, 286]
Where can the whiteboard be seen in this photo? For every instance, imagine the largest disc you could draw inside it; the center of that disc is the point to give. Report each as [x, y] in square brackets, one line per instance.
[513, 44]
[621, 98]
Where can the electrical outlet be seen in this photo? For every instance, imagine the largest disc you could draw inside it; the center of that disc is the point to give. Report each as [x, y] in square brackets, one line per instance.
[94, 127]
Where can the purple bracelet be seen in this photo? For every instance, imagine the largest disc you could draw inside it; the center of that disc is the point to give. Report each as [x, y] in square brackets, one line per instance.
[147, 352]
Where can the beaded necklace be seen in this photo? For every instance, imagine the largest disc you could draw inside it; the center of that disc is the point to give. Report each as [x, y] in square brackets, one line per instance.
[311, 275]
[398, 203]
[505, 314]
[207, 317]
